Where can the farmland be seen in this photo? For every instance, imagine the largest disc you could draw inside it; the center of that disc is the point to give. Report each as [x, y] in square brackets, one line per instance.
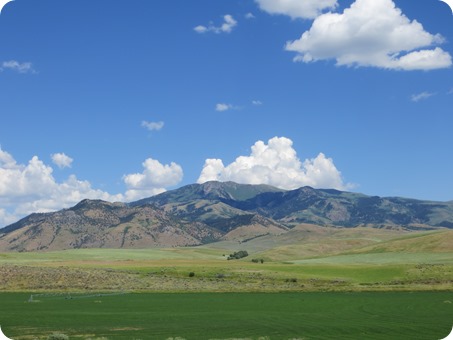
[386, 315]
[312, 284]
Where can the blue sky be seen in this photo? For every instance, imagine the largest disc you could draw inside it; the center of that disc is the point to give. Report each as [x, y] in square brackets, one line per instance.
[103, 99]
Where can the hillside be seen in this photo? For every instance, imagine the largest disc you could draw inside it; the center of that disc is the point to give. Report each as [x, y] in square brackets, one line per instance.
[326, 207]
[99, 224]
[214, 211]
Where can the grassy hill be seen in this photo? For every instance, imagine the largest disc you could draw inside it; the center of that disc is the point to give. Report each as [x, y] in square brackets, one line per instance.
[306, 258]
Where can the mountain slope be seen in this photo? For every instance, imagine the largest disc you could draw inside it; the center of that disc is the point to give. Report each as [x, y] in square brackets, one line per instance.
[99, 224]
[202, 213]
[333, 207]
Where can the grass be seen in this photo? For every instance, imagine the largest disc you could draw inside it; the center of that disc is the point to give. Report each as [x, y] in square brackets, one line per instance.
[422, 315]
[315, 283]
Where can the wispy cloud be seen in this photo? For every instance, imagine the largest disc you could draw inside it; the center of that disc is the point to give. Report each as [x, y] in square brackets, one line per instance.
[421, 96]
[223, 107]
[16, 66]
[152, 126]
[257, 102]
[220, 107]
[226, 27]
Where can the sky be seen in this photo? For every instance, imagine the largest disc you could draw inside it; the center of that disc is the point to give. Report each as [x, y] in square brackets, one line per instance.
[120, 100]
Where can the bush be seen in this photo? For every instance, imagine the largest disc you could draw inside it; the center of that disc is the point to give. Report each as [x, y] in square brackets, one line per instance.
[191, 274]
[58, 336]
[238, 255]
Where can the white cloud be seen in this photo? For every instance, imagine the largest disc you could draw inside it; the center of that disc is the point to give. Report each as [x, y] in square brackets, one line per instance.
[277, 164]
[17, 66]
[249, 16]
[153, 180]
[223, 107]
[371, 33]
[305, 9]
[28, 188]
[153, 126]
[421, 96]
[257, 102]
[6, 218]
[62, 160]
[226, 27]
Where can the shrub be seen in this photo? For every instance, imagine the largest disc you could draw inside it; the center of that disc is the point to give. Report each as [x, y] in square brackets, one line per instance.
[257, 260]
[238, 255]
[191, 274]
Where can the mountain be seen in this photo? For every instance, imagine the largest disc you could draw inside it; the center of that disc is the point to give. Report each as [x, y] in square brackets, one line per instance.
[337, 208]
[99, 224]
[202, 213]
[215, 202]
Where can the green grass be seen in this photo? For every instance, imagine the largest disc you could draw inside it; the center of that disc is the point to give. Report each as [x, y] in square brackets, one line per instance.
[111, 255]
[382, 259]
[168, 270]
[421, 315]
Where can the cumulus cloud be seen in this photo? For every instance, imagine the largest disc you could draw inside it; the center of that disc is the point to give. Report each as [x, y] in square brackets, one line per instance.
[371, 33]
[275, 163]
[28, 188]
[17, 66]
[153, 126]
[226, 27]
[421, 96]
[153, 180]
[305, 9]
[62, 160]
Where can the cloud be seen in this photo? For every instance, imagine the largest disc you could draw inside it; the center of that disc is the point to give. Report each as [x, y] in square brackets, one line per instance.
[223, 107]
[153, 126]
[249, 15]
[421, 96]
[371, 33]
[16, 66]
[305, 9]
[226, 27]
[28, 188]
[276, 163]
[61, 160]
[153, 180]
[257, 102]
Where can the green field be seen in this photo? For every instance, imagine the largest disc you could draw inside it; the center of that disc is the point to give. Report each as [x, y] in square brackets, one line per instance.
[316, 283]
[386, 315]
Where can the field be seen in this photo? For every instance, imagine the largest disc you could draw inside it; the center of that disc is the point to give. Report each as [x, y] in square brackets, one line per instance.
[312, 284]
[385, 315]
[310, 259]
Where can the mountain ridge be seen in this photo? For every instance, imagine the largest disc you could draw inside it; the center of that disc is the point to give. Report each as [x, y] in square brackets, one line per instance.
[202, 213]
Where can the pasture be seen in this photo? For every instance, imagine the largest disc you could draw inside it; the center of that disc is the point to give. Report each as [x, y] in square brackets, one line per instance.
[328, 315]
[316, 284]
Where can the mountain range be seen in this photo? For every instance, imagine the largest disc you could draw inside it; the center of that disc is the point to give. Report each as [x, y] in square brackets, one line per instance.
[202, 213]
